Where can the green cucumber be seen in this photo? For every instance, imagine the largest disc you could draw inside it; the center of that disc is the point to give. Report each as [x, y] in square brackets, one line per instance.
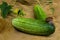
[32, 26]
[39, 13]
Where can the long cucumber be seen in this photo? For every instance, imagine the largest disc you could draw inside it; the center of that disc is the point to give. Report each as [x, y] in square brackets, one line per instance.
[32, 26]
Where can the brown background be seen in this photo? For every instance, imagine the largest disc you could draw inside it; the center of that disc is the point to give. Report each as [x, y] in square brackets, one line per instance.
[9, 33]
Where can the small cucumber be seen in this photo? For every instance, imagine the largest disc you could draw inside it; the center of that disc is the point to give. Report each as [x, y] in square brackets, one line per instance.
[32, 26]
[39, 13]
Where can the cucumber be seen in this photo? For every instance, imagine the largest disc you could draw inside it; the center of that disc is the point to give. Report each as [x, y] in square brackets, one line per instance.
[39, 13]
[33, 26]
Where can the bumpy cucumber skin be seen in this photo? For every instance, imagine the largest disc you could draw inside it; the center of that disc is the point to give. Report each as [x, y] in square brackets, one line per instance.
[32, 26]
[39, 13]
